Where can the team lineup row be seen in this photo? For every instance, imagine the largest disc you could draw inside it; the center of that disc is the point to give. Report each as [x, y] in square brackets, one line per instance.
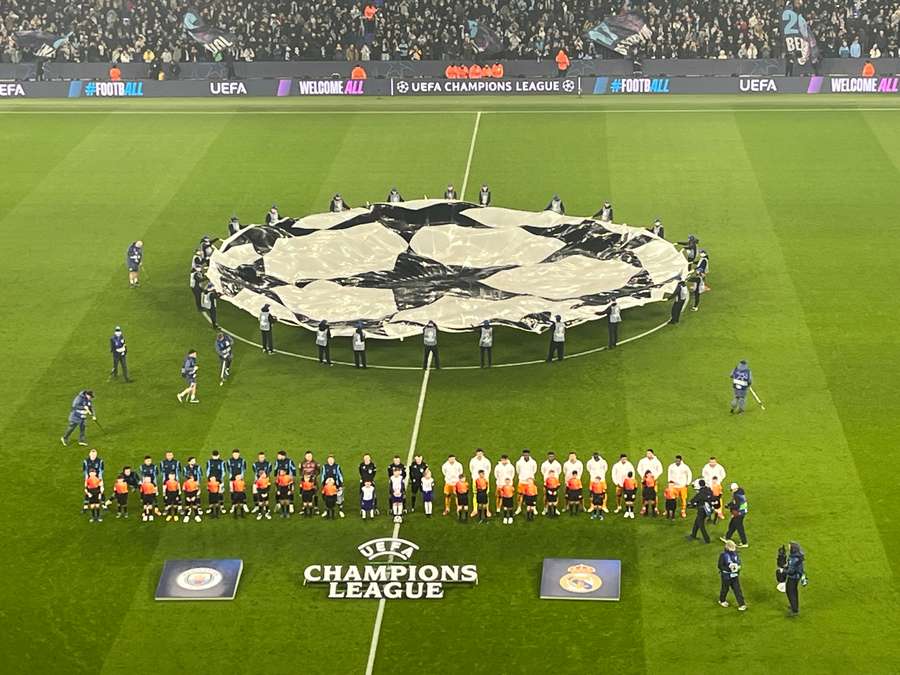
[181, 485]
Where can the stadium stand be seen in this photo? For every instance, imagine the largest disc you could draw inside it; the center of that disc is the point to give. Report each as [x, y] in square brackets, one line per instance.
[126, 31]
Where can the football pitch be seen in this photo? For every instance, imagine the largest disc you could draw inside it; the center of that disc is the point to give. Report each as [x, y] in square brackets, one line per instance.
[796, 202]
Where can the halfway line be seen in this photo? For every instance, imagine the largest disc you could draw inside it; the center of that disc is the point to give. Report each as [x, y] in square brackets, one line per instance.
[379, 615]
[462, 191]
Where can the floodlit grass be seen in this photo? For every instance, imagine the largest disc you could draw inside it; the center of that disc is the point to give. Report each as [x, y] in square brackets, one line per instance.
[793, 197]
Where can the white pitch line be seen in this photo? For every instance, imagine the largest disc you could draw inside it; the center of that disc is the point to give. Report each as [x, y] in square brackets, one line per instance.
[379, 614]
[462, 191]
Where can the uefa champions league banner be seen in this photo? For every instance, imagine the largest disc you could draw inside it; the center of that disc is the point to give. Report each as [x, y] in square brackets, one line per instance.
[561, 86]
[395, 267]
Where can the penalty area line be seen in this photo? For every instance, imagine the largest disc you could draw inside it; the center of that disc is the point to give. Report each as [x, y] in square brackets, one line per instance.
[379, 614]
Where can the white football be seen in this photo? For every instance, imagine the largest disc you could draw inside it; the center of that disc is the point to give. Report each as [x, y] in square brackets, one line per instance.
[398, 519]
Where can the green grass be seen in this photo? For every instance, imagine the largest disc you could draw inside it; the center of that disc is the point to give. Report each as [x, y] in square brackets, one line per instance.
[794, 197]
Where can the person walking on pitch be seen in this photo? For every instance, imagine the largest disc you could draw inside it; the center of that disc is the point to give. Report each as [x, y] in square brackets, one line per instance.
[224, 345]
[208, 301]
[679, 299]
[118, 349]
[738, 507]
[133, 261]
[699, 279]
[265, 329]
[741, 380]
[430, 340]
[359, 347]
[486, 343]
[323, 340]
[82, 408]
[614, 318]
[702, 501]
[557, 339]
[729, 572]
[796, 577]
[189, 372]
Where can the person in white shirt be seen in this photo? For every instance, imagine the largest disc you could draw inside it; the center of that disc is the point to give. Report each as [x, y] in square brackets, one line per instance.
[479, 463]
[452, 471]
[596, 468]
[557, 339]
[713, 469]
[650, 462]
[680, 476]
[486, 343]
[620, 471]
[503, 470]
[430, 342]
[548, 466]
[526, 468]
[428, 492]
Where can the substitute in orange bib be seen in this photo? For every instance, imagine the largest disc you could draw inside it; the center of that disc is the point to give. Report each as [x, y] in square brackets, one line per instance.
[868, 69]
[358, 73]
[474, 72]
[497, 70]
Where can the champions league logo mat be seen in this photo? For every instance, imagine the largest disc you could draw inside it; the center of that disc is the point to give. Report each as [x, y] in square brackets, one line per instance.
[199, 579]
[581, 579]
[386, 580]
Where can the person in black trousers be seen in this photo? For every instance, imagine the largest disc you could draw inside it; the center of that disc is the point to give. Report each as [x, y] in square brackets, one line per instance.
[738, 507]
[265, 329]
[796, 577]
[729, 571]
[323, 342]
[702, 501]
[208, 300]
[614, 318]
[557, 339]
[359, 347]
[679, 298]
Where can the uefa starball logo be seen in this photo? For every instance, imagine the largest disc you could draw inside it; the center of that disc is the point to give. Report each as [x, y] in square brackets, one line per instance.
[568, 85]
[199, 579]
[403, 86]
[385, 579]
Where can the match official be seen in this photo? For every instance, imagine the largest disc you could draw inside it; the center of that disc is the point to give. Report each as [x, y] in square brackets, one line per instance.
[82, 408]
[118, 349]
[133, 260]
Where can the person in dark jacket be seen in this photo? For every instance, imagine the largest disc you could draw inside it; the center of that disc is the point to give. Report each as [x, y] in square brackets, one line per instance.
[323, 342]
[702, 501]
[738, 507]
[796, 577]
[729, 573]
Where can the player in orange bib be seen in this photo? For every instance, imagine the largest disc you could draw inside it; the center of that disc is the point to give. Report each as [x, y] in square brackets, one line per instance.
[172, 497]
[120, 489]
[551, 494]
[598, 498]
[671, 496]
[507, 495]
[192, 508]
[462, 499]
[329, 492]
[93, 487]
[648, 495]
[629, 491]
[214, 493]
[573, 494]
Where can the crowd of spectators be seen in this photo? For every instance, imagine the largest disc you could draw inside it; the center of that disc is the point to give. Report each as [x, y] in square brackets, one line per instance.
[362, 30]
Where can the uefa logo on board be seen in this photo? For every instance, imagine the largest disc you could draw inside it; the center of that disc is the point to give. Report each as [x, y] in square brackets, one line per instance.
[199, 579]
[387, 547]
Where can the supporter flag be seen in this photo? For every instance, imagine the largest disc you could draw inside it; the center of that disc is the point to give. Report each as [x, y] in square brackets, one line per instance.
[621, 33]
[216, 40]
[799, 38]
[42, 43]
[486, 41]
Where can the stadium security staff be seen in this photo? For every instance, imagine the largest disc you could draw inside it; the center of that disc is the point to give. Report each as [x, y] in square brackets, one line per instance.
[82, 408]
[119, 349]
[484, 196]
[679, 298]
[486, 343]
[272, 216]
[337, 204]
[224, 345]
[133, 260]
[394, 196]
[741, 379]
[265, 329]
[556, 205]
[557, 339]
[189, 372]
[323, 338]
[359, 347]
[429, 339]
[605, 213]
[614, 318]
[729, 571]
[699, 279]
[702, 501]
[796, 577]
[738, 507]
[450, 192]
[208, 301]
